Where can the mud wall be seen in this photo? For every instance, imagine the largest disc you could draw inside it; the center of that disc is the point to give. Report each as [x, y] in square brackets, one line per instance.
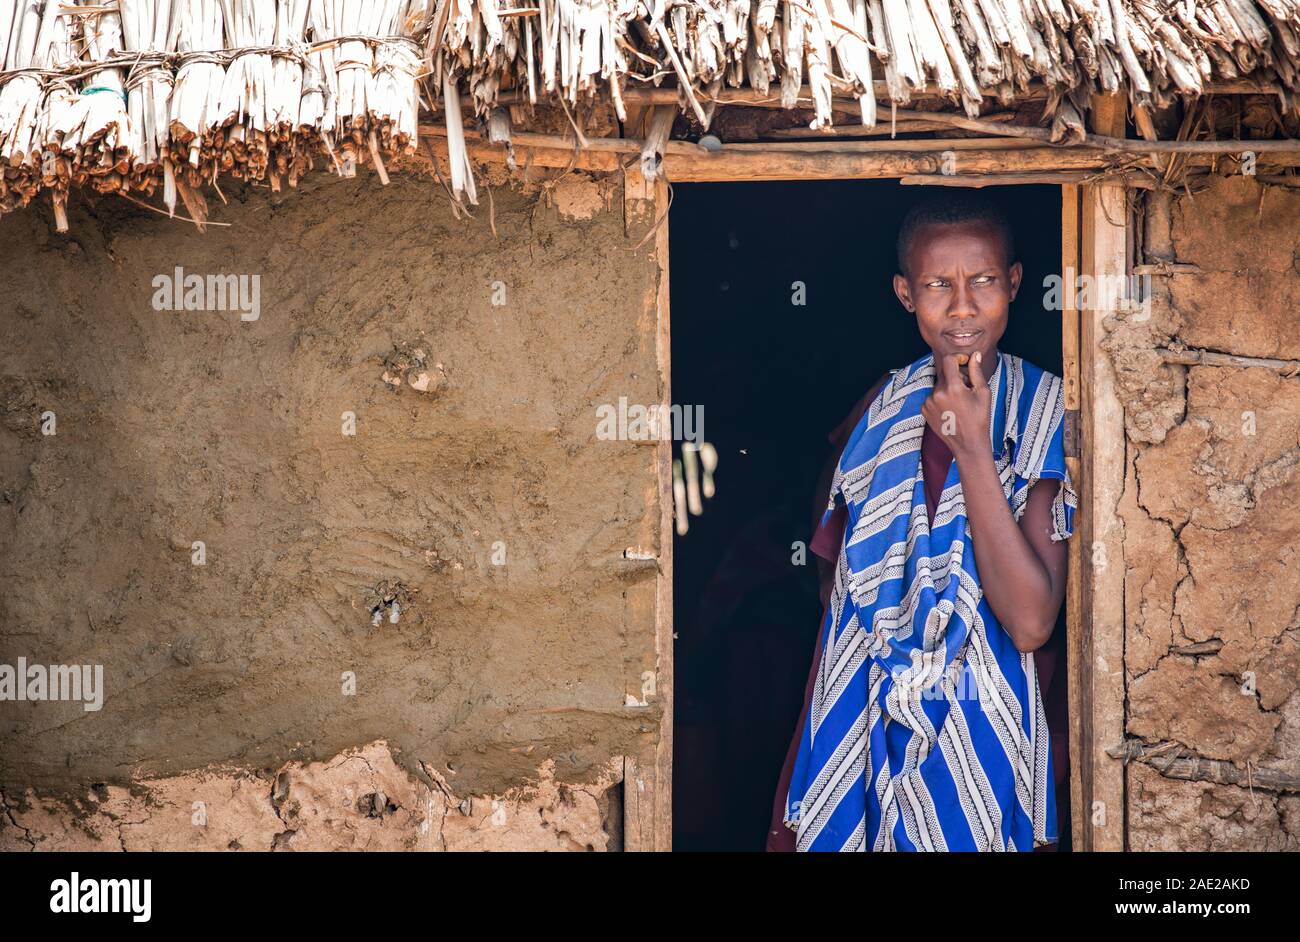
[1211, 516]
[354, 568]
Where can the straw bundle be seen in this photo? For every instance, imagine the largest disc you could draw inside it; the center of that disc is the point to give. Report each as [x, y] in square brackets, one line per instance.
[146, 32]
[368, 99]
[84, 128]
[195, 104]
[242, 104]
[20, 101]
[35, 102]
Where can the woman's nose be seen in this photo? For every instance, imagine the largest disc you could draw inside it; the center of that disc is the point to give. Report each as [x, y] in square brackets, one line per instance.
[963, 302]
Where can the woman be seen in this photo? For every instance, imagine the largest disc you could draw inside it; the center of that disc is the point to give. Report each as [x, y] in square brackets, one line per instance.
[925, 727]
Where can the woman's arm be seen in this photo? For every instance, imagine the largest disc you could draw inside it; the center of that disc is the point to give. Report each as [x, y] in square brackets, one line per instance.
[1022, 570]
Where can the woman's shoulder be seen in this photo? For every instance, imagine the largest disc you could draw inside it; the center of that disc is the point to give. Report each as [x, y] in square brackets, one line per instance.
[1029, 367]
[840, 434]
[878, 385]
[1036, 417]
[1034, 381]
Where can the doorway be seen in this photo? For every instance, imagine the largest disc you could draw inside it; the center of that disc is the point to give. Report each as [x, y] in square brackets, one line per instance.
[771, 285]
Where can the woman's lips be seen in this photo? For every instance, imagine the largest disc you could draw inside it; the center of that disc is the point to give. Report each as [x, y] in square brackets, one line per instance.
[963, 338]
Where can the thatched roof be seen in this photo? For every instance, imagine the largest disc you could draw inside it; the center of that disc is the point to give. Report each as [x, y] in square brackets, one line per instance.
[129, 95]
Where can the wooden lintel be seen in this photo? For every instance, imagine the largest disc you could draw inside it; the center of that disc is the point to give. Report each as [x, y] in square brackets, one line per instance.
[959, 158]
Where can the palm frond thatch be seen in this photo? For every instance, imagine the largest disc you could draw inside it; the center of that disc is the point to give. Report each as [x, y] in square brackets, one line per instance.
[130, 95]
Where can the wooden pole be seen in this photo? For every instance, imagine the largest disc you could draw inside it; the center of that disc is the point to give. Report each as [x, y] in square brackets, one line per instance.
[1074, 615]
[1193, 356]
[648, 774]
[772, 99]
[1106, 142]
[1019, 179]
[1098, 671]
[967, 159]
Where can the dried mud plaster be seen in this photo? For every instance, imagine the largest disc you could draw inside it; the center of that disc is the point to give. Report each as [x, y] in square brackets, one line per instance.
[1211, 510]
[476, 498]
[359, 800]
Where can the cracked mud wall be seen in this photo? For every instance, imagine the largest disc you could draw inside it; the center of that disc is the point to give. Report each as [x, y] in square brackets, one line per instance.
[494, 711]
[1211, 515]
[358, 800]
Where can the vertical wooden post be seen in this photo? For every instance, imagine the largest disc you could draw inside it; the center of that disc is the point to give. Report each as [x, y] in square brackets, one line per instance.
[638, 188]
[1097, 666]
[1080, 777]
[648, 776]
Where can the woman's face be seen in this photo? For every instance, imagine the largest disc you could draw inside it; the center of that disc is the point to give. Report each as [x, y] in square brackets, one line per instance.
[960, 288]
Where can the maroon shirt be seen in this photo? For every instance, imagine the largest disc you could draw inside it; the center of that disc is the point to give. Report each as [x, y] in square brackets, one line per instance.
[936, 458]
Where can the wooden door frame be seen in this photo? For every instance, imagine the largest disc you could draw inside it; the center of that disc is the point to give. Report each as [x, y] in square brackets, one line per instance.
[1095, 240]
[1097, 229]
[648, 776]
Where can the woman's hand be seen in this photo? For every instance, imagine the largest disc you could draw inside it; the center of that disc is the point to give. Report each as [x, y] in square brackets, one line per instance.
[958, 409]
[1022, 570]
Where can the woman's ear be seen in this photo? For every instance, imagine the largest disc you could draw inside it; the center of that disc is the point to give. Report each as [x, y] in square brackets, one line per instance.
[1017, 272]
[904, 292]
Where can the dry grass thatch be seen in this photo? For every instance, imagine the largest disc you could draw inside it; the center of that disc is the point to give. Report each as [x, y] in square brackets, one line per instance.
[132, 95]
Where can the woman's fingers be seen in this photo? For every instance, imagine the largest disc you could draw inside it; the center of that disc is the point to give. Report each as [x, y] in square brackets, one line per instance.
[952, 378]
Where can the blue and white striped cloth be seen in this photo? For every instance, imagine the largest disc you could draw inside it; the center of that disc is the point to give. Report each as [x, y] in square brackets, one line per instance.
[926, 728]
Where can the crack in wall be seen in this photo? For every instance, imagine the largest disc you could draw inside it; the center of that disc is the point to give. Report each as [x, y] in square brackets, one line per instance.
[13, 821]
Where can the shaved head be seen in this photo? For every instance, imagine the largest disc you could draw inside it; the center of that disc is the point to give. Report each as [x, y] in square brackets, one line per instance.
[955, 207]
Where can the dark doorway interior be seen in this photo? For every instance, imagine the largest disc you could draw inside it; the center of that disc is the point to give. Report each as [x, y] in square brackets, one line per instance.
[774, 378]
